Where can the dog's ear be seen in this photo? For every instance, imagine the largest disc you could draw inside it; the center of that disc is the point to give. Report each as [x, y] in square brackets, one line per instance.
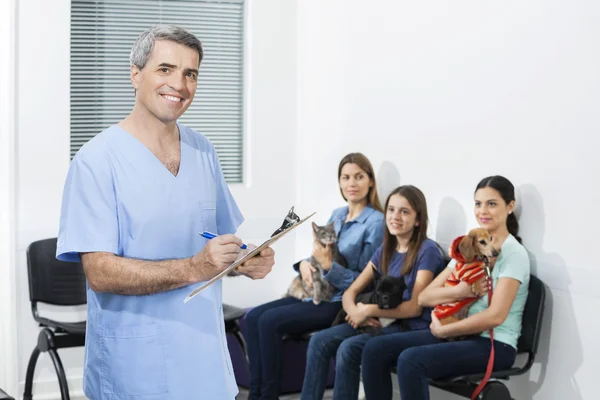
[466, 248]
[376, 274]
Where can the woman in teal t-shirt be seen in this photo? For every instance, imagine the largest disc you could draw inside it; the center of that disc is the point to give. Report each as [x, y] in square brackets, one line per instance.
[423, 355]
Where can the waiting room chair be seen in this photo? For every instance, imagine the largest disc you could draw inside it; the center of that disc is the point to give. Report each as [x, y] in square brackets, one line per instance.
[58, 283]
[232, 316]
[528, 344]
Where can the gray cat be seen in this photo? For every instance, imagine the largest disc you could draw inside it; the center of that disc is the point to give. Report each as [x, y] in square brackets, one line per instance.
[321, 289]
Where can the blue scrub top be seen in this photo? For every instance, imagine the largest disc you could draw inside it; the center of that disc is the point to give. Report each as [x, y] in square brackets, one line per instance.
[119, 198]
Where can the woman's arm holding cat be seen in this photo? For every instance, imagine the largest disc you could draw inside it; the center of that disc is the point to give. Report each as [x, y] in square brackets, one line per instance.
[342, 278]
[305, 263]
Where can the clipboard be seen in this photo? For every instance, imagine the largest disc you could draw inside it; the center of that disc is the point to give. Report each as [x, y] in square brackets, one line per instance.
[247, 256]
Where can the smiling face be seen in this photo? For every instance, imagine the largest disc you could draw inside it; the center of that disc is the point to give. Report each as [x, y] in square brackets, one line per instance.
[491, 210]
[166, 86]
[354, 183]
[400, 217]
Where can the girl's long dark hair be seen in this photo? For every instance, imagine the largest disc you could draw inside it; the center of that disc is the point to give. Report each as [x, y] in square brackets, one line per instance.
[417, 201]
[507, 192]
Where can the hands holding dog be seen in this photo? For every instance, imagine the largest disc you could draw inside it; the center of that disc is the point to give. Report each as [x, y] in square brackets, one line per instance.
[437, 329]
[477, 289]
[463, 290]
[360, 316]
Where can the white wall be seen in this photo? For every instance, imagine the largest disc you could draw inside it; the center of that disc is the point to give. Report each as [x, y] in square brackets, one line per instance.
[43, 154]
[441, 95]
[43, 40]
[8, 329]
[269, 191]
[436, 96]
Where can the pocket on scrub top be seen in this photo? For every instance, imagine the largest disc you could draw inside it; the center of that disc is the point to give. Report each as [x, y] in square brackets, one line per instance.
[132, 362]
[209, 217]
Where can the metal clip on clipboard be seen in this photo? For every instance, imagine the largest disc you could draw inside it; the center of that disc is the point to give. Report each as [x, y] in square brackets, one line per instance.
[290, 222]
[290, 219]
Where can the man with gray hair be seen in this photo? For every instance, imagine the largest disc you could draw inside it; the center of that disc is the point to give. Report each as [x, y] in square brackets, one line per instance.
[135, 200]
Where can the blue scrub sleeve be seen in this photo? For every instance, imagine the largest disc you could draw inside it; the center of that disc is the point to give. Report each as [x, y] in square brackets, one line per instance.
[88, 220]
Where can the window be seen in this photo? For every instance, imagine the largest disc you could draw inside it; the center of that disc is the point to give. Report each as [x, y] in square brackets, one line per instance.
[102, 33]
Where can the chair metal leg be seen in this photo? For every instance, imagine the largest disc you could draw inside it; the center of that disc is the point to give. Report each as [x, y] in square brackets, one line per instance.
[60, 371]
[27, 395]
[240, 339]
[46, 343]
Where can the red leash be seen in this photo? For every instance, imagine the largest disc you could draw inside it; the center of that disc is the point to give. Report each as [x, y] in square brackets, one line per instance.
[490, 365]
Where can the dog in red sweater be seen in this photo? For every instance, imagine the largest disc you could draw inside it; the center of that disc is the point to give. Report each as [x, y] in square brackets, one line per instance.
[471, 253]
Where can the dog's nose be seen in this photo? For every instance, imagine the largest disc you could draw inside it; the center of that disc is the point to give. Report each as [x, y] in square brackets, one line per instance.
[495, 253]
[385, 297]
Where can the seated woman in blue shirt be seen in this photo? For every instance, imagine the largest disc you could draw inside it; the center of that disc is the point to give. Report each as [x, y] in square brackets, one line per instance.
[423, 355]
[359, 228]
[407, 252]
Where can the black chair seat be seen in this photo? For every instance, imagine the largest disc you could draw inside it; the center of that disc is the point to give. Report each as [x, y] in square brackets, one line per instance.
[232, 313]
[504, 374]
[75, 328]
[527, 344]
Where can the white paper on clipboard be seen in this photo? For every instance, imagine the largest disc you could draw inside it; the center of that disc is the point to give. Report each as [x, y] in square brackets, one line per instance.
[247, 256]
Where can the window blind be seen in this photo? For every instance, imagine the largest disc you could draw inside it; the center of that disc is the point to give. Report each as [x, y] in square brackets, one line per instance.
[102, 33]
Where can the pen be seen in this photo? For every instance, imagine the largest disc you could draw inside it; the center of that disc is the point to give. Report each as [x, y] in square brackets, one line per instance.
[209, 235]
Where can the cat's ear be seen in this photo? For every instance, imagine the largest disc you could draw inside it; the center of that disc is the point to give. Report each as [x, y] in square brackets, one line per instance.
[330, 226]
[315, 227]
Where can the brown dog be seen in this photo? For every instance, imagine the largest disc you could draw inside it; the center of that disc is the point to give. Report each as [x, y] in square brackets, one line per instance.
[471, 253]
[476, 245]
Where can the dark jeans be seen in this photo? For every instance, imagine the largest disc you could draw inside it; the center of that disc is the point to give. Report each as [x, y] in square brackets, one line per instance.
[345, 344]
[266, 324]
[420, 356]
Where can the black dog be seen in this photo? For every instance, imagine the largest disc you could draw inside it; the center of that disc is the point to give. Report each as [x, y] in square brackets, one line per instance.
[387, 295]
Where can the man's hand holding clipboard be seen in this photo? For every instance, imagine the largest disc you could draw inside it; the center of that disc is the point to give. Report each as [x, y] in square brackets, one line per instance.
[291, 222]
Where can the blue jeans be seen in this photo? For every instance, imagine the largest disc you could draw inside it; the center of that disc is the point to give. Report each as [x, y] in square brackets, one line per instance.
[343, 342]
[420, 356]
[266, 324]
